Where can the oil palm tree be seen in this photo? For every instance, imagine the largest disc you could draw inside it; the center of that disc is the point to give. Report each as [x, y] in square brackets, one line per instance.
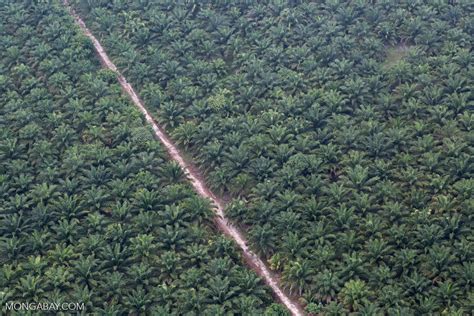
[355, 294]
[297, 276]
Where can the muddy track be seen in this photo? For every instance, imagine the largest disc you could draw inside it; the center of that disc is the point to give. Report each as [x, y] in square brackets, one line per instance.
[196, 179]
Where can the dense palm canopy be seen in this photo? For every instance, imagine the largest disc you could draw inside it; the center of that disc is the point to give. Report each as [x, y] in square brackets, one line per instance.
[343, 129]
[91, 211]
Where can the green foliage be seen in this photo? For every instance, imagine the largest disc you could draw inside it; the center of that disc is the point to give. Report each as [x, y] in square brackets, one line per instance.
[91, 211]
[344, 129]
[342, 125]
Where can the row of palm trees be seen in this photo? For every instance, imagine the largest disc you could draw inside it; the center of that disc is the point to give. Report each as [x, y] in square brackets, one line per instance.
[342, 130]
[91, 210]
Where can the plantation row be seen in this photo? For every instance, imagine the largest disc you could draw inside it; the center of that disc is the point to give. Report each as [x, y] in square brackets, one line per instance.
[342, 129]
[91, 211]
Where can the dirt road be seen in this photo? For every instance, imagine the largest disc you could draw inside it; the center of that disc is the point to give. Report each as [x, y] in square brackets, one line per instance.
[196, 180]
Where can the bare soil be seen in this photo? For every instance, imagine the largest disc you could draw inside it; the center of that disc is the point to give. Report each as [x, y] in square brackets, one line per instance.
[396, 53]
[197, 181]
